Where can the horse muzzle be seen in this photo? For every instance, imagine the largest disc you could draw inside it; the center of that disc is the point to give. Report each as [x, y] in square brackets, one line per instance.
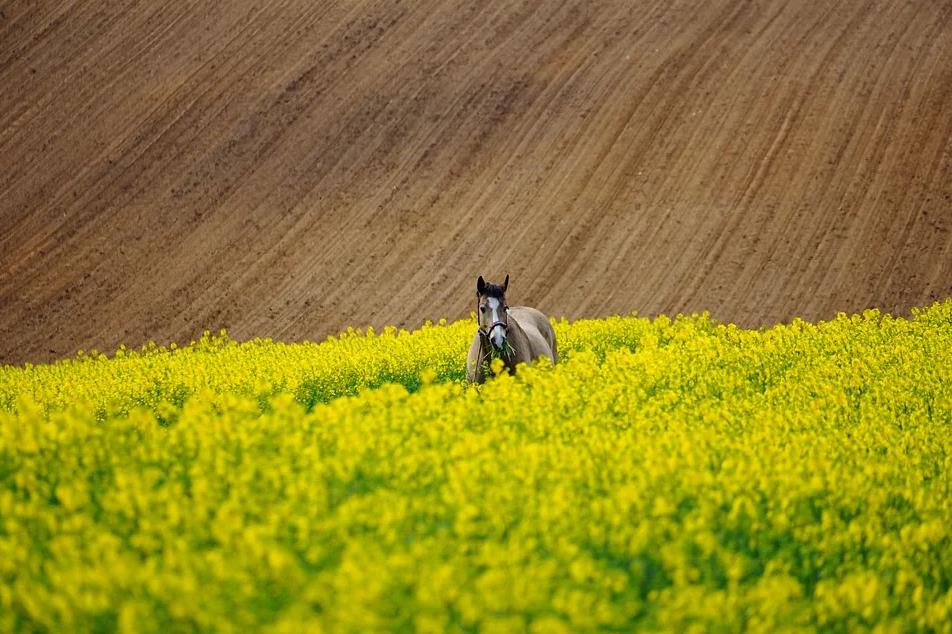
[496, 334]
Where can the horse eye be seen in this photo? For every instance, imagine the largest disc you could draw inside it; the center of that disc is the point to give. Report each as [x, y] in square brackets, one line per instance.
[484, 308]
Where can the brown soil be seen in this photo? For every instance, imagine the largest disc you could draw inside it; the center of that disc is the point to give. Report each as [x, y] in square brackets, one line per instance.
[290, 168]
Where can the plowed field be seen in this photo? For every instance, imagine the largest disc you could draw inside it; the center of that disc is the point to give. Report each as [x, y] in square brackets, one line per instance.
[291, 168]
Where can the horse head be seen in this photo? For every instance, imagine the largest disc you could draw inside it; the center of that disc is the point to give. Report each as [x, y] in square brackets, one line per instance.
[493, 312]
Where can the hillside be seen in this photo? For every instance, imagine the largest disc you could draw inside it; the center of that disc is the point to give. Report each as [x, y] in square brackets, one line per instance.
[290, 168]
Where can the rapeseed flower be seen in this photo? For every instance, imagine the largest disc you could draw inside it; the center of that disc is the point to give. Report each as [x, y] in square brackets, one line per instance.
[667, 475]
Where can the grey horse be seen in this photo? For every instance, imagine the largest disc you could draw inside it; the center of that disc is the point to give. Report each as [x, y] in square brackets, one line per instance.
[516, 334]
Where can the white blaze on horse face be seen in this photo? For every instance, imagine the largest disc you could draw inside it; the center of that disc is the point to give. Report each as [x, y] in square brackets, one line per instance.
[497, 334]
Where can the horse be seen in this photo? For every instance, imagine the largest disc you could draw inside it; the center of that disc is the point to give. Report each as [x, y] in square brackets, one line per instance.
[516, 334]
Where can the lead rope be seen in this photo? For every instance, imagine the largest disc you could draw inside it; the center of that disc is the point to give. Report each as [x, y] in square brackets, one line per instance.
[483, 339]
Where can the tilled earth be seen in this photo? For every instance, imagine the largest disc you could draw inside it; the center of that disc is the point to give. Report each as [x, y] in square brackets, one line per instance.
[290, 168]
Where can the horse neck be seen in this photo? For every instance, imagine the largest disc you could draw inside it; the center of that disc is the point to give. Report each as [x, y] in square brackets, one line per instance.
[518, 340]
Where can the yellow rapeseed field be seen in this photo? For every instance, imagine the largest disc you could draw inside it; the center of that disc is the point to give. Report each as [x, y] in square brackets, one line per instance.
[670, 475]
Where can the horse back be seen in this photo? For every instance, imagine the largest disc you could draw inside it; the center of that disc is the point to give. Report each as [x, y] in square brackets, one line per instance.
[538, 330]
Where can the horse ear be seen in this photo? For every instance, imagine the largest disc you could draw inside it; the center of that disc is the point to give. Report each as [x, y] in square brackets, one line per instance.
[480, 285]
[505, 284]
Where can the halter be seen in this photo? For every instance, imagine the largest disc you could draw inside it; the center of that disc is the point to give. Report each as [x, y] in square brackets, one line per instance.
[484, 334]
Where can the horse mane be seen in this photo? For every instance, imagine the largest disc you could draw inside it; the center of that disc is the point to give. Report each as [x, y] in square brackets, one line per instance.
[493, 290]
